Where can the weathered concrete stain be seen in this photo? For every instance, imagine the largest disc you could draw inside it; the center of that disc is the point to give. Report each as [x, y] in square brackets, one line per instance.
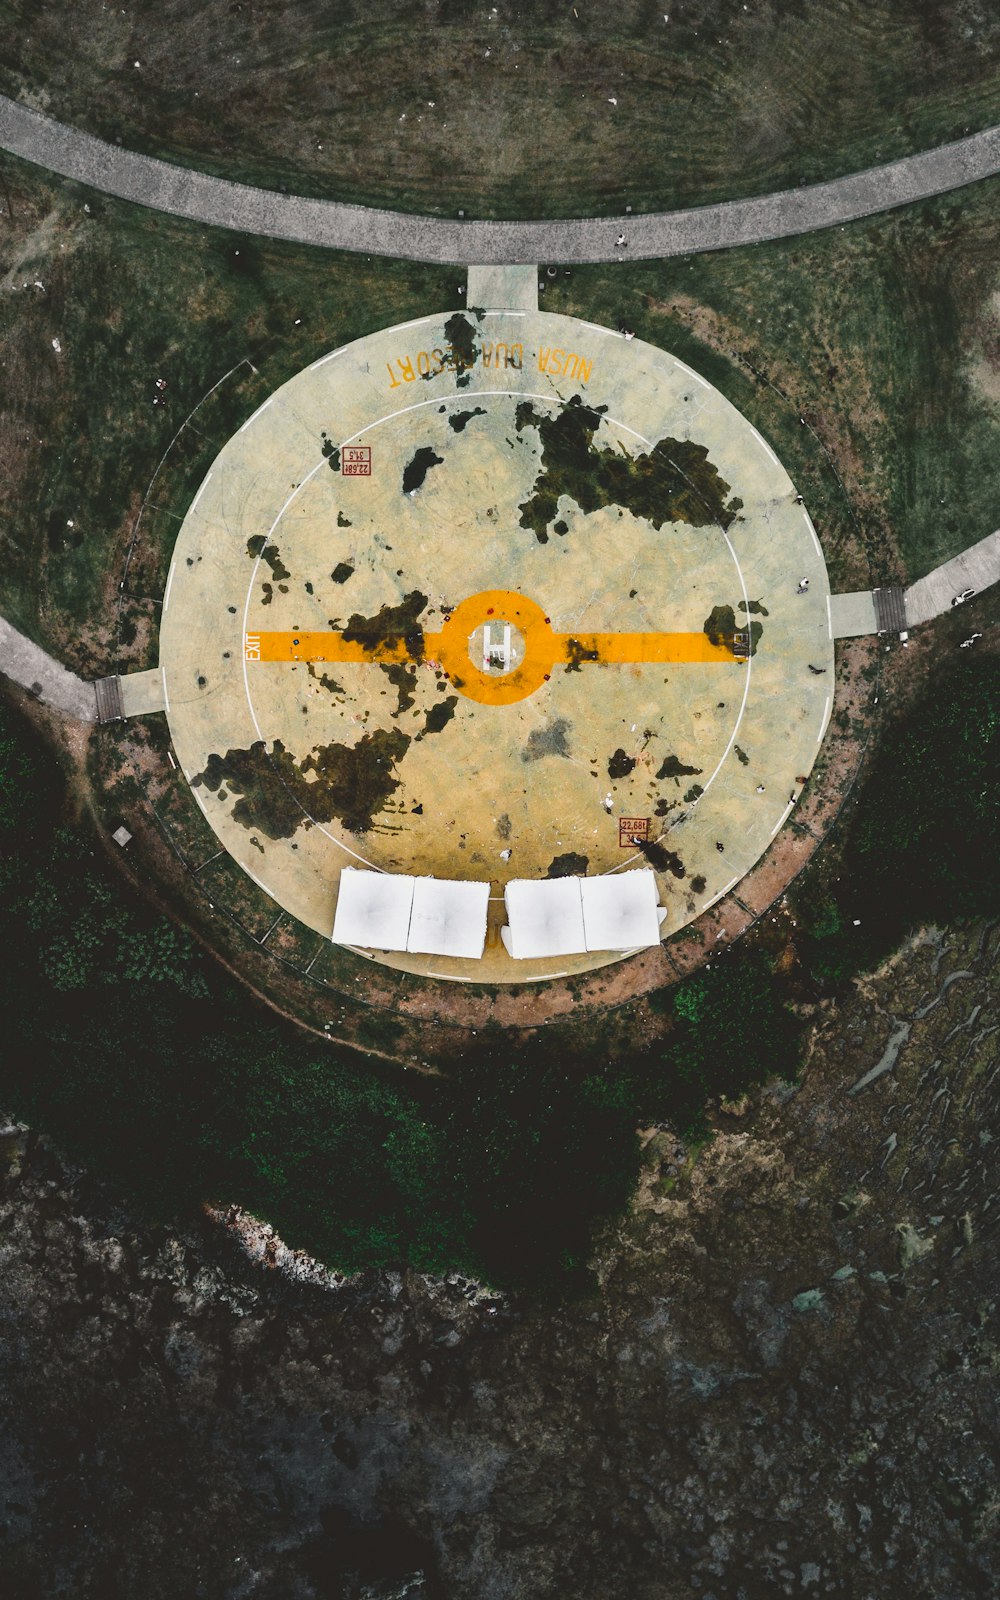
[674, 482]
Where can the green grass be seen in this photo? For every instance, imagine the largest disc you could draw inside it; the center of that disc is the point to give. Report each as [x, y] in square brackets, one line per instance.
[132, 297]
[883, 335]
[923, 844]
[505, 111]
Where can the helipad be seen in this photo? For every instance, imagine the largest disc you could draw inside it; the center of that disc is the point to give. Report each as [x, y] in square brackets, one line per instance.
[496, 596]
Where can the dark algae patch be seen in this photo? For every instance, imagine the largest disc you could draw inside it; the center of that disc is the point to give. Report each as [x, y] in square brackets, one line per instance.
[547, 741]
[329, 684]
[721, 627]
[570, 865]
[694, 793]
[461, 335]
[575, 653]
[673, 482]
[439, 715]
[342, 571]
[403, 680]
[391, 625]
[277, 795]
[459, 420]
[416, 470]
[741, 756]
[258, 546]
[753, 608]
[331, 452]
[661, 858]
[620, 765]
[355, 782]
[266, 785]
[673, 767]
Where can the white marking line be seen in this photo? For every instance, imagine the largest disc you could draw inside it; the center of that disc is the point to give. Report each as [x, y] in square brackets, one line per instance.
[595, 326]
[505, 313]
[812, 530]
[419, 405]
[331, 356]
[823, 721]
[259, 412]
[698, 379]
[781, 819]
[829, 615]
[766, 446]
[450, 977]
[166, 697]
[205, 480]
[166, 592]
[418, 322]
[709, 903]
[257, 881]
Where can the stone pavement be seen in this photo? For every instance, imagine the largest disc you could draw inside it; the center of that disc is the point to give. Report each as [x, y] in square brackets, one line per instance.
[142, 692]
[202, 198]
[976, 568]
[852, 614]
[26, 663]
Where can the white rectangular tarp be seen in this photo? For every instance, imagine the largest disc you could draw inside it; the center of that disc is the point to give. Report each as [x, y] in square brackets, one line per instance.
[545, 918]
[448, 918]
[373, 909]
[620, 911]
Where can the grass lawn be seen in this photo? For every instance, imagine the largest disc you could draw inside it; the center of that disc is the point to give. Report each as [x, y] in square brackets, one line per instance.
[97, 301]
[524, 110]
[884, 336]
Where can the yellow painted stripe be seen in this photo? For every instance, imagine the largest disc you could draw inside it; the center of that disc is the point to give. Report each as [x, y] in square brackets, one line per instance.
[544, 649]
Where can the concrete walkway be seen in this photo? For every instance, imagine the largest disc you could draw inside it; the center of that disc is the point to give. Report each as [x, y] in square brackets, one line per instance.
[26, 663]
[853, 615]
[976, 568]
[186, 193]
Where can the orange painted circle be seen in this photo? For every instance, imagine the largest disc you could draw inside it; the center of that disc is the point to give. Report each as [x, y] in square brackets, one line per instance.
[450, 647]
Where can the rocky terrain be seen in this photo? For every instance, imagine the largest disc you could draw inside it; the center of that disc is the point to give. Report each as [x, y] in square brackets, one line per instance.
[784, 1383]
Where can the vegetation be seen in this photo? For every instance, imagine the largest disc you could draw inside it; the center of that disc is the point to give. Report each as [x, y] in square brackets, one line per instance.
[866, 355]
[923, 844]
[104, 300]
[513, 110]
[150, 1065]
[154, 1068]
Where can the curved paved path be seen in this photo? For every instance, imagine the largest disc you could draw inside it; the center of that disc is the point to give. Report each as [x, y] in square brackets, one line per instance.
[186, 193]
[26, 663]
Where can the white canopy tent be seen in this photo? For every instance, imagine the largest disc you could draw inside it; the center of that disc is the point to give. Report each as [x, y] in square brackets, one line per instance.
[545, 918]
[448, 918]
[620, 911]
[373, 909]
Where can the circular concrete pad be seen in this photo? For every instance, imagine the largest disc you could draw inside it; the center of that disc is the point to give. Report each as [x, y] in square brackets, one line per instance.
[495, 596]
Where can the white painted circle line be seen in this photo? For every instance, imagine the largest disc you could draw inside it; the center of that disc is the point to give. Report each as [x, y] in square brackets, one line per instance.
[812, 530]
[205, 480]
[437, 400]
